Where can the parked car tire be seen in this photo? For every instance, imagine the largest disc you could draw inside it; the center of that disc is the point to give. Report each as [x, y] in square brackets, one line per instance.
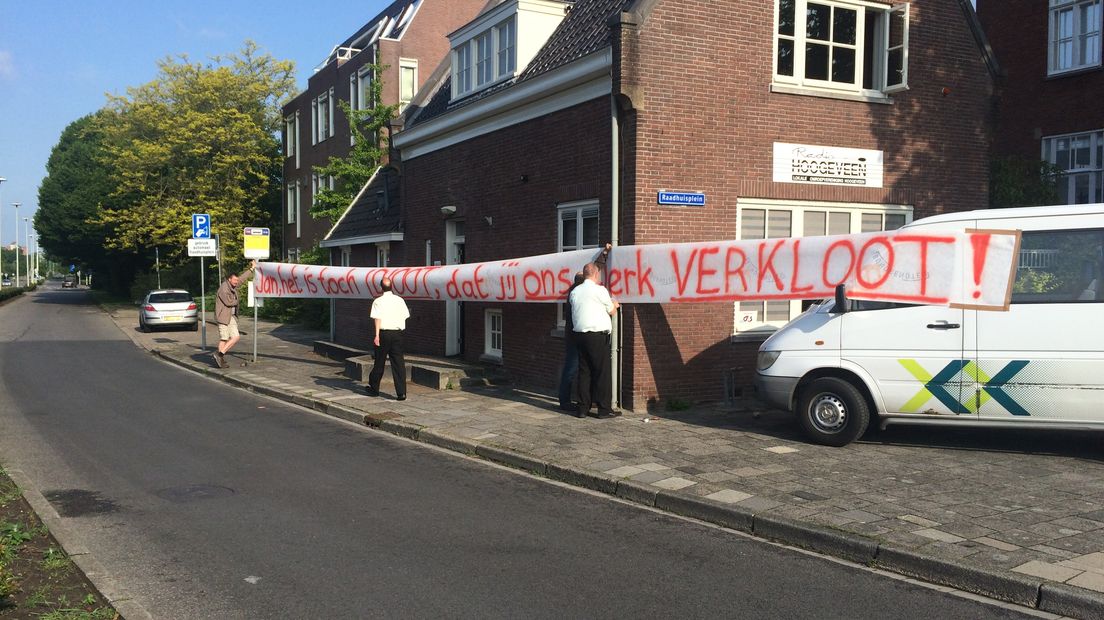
[142, 327]
[832, 411]
[195, 327]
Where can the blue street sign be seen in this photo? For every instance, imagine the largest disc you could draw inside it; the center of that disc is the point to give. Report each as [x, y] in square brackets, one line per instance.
[201, 226]
[693, 199]
[72, 268]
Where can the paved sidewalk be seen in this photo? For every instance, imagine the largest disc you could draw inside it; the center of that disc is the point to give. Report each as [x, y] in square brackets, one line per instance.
[1012, 515]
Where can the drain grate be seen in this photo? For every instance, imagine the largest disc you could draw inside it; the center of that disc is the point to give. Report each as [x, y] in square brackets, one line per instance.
[79, 502]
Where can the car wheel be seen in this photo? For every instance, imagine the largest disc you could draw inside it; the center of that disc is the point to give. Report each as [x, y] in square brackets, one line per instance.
[833, 412]
[142, 327]
[195, 326]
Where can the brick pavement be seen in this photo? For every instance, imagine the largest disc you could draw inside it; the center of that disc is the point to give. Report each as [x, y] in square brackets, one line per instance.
[1013, 515]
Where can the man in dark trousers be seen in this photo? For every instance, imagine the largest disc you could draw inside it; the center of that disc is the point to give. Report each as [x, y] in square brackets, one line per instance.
[571, 350]
[226, 313]
[389, 313]
[591, 309]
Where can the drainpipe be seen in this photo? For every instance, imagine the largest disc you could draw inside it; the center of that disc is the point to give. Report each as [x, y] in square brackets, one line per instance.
[615, 214]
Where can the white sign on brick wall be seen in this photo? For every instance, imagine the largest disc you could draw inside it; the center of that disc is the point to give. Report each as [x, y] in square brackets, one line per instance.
[826, 165]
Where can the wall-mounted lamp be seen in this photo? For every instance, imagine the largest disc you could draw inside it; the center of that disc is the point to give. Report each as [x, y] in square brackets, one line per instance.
[448, 210]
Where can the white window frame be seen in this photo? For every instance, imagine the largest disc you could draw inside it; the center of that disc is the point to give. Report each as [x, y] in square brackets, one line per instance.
[759, 327]
[383, 253]
[293, 255]
[1071, 174]
[1079, 31]
[491, 330]
[468, 75]
[346, 256]
[506, 48]
[882, 83]
[293, 207]
[407, 65]
[581, 209]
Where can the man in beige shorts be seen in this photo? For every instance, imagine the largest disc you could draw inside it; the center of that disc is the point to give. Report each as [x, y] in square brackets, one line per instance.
[226, 314]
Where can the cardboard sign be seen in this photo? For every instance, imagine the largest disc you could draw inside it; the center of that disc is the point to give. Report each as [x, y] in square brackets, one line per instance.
[969, 269]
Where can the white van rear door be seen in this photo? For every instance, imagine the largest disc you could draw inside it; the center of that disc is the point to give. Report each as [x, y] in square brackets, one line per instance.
[1044, 358]
[913, 353]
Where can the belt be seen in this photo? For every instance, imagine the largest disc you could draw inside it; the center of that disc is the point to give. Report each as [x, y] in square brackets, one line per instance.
[391, 330]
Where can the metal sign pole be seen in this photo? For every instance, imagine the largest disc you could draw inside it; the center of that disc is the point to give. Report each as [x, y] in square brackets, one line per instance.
[256, 333]
[203, 306]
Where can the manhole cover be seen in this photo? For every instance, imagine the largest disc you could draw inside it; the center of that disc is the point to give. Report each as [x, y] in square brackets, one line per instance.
[194, 492]
[79, 503]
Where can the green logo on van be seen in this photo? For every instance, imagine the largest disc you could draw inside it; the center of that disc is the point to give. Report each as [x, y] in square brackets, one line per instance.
[991, 388]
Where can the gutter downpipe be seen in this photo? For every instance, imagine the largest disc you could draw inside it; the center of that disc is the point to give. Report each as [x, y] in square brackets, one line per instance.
[615, 214]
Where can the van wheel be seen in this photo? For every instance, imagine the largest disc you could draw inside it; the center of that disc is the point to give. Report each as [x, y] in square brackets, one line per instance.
[833, 412]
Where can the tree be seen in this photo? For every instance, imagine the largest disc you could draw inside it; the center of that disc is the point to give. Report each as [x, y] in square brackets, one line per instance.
[200, 138]
[1019, 182]
[69, 198]
[351, 173]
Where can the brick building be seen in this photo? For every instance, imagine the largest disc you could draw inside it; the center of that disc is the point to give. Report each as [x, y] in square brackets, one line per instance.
[1049, 105]
[408, 38]
[566, 143]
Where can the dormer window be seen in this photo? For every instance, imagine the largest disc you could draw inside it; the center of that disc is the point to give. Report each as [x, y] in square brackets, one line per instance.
[486, 52]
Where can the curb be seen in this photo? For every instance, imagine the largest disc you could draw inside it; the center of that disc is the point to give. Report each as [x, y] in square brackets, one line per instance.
[114, 592]
[1024, 590]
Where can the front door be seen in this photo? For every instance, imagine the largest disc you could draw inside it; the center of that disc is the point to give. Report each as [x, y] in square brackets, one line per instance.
[454, 310]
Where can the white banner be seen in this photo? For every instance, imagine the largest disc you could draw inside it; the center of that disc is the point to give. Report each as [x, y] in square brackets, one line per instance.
[969, 269]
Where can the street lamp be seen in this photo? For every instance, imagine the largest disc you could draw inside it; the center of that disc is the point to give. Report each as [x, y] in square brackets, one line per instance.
[16, 205]
[2, 179]
[27, 235]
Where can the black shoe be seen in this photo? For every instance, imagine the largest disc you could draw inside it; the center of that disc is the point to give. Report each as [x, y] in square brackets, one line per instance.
[401, 397]
[569, 407]
[579, 413]
[605, 415]
[371, 391]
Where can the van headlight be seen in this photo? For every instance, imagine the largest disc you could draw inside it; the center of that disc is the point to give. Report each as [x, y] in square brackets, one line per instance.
[766, 359]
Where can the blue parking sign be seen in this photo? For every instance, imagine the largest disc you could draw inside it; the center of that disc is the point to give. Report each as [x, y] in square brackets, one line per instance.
[201, 226]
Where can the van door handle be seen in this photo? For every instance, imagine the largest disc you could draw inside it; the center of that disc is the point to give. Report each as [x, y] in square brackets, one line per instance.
[943, 326]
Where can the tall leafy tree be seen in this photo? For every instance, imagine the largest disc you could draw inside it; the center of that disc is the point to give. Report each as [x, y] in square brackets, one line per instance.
[200, 138]
[351, 173]
[77, 182]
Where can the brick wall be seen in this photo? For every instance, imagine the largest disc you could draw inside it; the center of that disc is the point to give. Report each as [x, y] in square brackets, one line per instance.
[1033, 105]
[703, 122]
[516, 176]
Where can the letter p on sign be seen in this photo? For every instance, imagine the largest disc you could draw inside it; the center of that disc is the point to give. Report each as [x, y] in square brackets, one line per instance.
[201, 226]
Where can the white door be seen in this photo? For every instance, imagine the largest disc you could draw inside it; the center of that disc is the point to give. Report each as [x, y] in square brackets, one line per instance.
[454, 310]
[1044, 357]
[914, 354]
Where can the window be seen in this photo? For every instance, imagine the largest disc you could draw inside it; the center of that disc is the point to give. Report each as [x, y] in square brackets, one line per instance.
[346, 256]
[291, 137]
[578, 230]
[364, 89]
[322, 115]
[382, 254]
[492, 339]
[1080, 157]
[506, 43]
[771, 219]
[461, 82]
[842, 45]
[293, 255]
[1062, 266]
[408, 81]
[293, 202]
[1074, 39]
[486, 58]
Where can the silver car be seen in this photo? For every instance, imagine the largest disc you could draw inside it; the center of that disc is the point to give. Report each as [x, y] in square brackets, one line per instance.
[167, 308]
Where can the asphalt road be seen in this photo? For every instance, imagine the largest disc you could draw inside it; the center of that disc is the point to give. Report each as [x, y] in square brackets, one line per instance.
[208, 502]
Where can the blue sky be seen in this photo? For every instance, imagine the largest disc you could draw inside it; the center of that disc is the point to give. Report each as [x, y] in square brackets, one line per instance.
[59, 59]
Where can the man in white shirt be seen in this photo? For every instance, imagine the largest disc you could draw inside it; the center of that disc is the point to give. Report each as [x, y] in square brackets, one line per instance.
[591, 309]
[389, 313]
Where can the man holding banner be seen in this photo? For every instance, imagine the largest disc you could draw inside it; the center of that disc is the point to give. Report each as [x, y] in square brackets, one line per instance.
[226, 313]
[591, 309]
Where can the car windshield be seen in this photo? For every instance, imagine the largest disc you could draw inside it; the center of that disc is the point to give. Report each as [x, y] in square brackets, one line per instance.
[169, 298]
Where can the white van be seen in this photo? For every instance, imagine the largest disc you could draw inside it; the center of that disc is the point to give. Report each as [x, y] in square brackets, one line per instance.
[1040, 363]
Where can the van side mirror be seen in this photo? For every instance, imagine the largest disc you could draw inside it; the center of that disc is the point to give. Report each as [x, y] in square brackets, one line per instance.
[843, 304]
